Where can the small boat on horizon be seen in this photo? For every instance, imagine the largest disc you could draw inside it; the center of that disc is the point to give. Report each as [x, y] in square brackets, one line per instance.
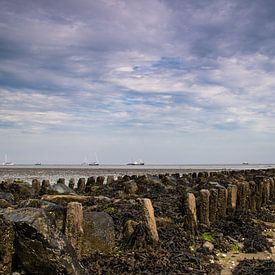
[6, 162]
[245, 163]
[139, 162]
[38, 164]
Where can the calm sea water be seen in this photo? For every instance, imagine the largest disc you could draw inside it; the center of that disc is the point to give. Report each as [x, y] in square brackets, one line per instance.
[53, 172]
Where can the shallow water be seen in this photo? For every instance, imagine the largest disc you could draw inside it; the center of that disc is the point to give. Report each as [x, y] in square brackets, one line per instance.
[53, 172]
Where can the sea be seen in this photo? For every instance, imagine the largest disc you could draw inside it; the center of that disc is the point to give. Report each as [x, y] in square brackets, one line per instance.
[55, 171]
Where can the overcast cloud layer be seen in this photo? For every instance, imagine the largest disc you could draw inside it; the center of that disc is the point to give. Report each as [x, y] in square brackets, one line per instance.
[166, 81]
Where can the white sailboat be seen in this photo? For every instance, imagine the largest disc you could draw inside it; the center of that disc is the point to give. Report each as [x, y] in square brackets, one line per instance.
[136, 162]
[94, 163]
[7, 163]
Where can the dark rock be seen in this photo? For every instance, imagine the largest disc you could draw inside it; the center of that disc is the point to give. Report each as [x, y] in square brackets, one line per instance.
[39, 246]
[6, 245]
[4, 203]
[130, 187]
[99, 235]
[7, 196]
[61, 188]
[20, 190]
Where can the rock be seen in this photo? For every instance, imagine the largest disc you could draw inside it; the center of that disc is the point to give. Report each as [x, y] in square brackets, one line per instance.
[61, 188]
[20, 190]
[128, 229]
[208, 246]
[39, 246]
[7, 196]
[65, 199]
[6, 245]
[4, 203]
[130, 187]
[98, 233]
[36, 203]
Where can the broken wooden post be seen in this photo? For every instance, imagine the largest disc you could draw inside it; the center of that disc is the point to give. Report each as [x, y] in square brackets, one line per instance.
[222, 202]
[149, 219]
[231, 199]
[73, 227]
[81, 185]
[191, 213]
[72, 183]
[213, 205]
[204, 207]
[36, 185]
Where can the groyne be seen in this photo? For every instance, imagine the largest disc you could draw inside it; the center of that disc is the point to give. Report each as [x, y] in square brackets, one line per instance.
[99, 214]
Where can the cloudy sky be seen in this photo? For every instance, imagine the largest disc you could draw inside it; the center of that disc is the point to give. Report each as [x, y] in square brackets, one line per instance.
[167, 81]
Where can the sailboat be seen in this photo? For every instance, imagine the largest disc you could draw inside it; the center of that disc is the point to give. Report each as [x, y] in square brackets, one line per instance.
[94, 163]
[7, 163]
[139, 162]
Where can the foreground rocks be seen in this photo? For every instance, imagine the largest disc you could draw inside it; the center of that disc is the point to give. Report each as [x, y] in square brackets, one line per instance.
[136, 224]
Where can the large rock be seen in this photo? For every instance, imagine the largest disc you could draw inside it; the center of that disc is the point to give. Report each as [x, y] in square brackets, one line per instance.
[7, 196]
[61, 188]
[39, 247]
[65, 199]
[19, 190]
[98, 233]
[6, 245]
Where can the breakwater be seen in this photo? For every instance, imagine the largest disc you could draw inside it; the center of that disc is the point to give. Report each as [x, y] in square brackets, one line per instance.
[112, 215]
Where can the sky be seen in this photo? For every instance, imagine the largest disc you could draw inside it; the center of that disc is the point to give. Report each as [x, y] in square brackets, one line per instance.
[165, 81]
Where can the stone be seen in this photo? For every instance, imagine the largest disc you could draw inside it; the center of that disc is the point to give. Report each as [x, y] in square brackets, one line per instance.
[231, 199]
[208, 246]
[4, 203]
[81, 185]
[19, 190]
[36, 185]
[204, 207]
[6, 245]
[149, 219]
[7, 196]
[98, 233]
[65, 199]
[39, 246]
[130, 187]
[128, 229]
[191, 213]
[213, 205]
[73, 228]
[61, 188]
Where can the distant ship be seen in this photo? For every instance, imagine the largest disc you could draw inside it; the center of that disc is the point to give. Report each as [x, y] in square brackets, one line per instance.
[38, 164]
[7, 163]
[245, 163]
[95, 163]
[140, 162]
